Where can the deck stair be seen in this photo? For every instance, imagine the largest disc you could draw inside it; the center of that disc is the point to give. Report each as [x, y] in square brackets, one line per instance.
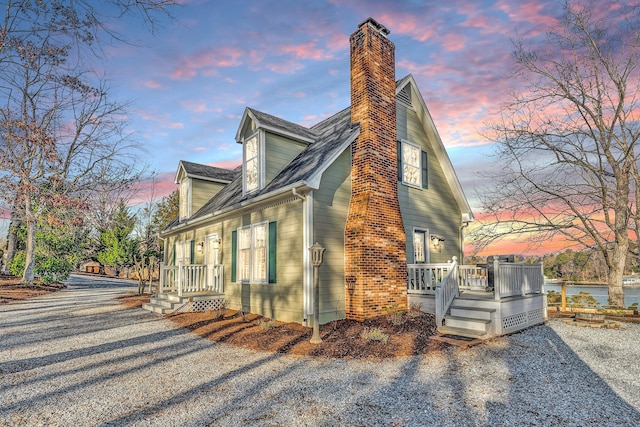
[193, 301]
[470, 315]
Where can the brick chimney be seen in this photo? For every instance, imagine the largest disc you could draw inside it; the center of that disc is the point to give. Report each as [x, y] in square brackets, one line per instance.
[375, 243]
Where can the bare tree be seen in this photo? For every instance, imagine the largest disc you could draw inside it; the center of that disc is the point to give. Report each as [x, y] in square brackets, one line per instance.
[61, 136]
[567, 142]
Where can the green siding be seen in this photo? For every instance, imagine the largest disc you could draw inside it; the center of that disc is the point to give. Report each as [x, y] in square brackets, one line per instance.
[434, 208]
[202, 192]
[280, 151]
[282, 300]
[330, 208]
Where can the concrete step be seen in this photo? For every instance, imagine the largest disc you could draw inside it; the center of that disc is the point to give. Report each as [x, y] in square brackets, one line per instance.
[157, 308]
[481, 313]
[480, 325]
[470, 333]
[162, 302]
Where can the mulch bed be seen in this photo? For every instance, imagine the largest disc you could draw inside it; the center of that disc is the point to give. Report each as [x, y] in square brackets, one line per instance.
[408, 334]
[632, 318]
[11, 290]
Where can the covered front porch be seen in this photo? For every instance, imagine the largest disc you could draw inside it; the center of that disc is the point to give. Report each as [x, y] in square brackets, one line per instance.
[479, 301]
[190, 287]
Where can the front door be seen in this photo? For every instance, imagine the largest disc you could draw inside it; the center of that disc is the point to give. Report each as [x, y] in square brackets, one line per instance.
[212, 261]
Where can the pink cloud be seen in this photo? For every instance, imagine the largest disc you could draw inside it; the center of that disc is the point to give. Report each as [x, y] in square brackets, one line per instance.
[305, 51]
[152, 84]
[194, 106]
[207, 61]
[227, 164]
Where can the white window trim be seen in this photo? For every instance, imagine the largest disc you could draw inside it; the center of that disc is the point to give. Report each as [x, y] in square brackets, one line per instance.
[251, 279]
[410, 184]
[427, 248]
[261, 163]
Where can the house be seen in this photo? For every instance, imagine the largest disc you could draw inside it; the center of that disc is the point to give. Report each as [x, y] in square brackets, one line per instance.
[373, 184]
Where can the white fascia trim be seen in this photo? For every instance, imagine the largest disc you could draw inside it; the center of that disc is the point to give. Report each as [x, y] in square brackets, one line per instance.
[290, 135]
[300, 186]
[247, 113]
[316, 177]
[307, 241]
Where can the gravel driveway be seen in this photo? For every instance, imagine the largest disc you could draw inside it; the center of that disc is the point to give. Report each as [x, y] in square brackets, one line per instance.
[78, 358]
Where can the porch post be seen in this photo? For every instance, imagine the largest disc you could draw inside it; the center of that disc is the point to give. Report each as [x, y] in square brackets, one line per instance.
[161, 279]
[496, 280]
[180, 278]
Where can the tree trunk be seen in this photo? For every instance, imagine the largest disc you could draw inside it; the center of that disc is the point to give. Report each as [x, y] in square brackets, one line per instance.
[30, 259]
[614, 278]
[12, 243]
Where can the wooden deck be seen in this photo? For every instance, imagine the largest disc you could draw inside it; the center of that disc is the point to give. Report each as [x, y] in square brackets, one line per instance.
[515, 301]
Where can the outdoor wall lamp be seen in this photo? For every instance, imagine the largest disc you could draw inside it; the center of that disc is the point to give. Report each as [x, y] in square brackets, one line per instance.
[200, 247]
[435, 240]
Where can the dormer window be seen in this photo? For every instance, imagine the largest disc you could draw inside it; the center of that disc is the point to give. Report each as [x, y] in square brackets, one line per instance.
[185, 198]
[252, 164]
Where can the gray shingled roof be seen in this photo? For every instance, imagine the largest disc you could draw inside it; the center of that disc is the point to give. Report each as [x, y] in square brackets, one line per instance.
[276, 123]
[330, 135]
[208, 172]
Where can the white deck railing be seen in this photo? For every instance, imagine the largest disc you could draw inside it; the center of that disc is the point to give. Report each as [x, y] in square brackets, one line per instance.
[509, 278]
[446, 291]
[191, 278]
[423, 278]
[473, 277]
[516, 279]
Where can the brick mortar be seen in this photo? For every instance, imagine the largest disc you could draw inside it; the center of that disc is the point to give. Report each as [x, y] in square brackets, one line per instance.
[375, 245]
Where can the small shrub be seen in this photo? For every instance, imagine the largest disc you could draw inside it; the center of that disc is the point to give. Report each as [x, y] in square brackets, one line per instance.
[266, 324]
[583, 300]
[415, 310]
[395, 315]
[375, 334]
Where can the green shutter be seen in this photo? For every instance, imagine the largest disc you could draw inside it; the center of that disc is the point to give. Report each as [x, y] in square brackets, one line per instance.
[425, 171]
[174, 253]
[399, 157]
[234, 255]
[191, 251]
[272, 252]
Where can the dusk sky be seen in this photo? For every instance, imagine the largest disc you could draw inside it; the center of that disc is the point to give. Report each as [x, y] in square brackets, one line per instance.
[190, 82]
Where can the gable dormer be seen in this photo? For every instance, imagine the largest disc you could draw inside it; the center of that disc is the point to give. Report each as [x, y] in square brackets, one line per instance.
[269, 144]
[198, 184]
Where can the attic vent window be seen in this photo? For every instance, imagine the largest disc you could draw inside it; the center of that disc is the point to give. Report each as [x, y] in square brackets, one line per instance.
[404, 96]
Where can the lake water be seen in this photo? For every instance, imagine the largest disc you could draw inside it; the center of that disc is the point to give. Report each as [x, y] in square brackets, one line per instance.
[600, 293]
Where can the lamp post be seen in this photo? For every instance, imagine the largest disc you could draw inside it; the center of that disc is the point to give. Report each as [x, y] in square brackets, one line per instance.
[316, 259]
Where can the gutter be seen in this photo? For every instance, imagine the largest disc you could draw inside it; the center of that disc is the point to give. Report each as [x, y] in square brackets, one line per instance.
[254, 202]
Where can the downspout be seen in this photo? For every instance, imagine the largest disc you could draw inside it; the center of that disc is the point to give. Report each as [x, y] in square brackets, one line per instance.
[463, 225]
[307, 267]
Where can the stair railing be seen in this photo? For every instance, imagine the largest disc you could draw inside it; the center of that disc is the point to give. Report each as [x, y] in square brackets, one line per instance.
[446, 291]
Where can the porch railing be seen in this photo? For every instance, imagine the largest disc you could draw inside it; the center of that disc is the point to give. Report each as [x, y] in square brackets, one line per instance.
[423, 278]
[446, 291]
[516, 279]
[191, 278]
[473, 277]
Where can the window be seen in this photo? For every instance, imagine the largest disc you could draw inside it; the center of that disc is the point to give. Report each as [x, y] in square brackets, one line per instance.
[244, 254]
[256, 253]
[252, 169]
[185, 208]
[184, 252]
[412, 165]
[420, 246]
